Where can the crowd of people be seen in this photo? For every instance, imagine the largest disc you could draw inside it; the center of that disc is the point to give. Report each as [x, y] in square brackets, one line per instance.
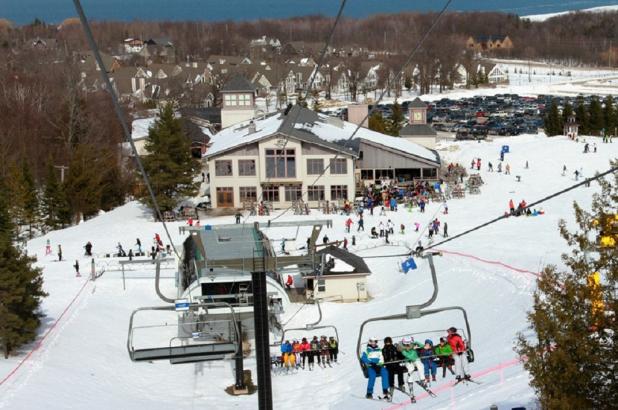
[420, 361]
[304, 353]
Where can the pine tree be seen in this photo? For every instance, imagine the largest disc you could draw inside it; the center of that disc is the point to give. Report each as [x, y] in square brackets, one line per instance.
[31, 199]
[567, 111]
[581, 116]
[552, 121]
[608, 114]
[55, 209]
[376, 122]
[84, 181]
[394, 123]
[21, 288]
[572, 355]
[169, 163]
[595, 113]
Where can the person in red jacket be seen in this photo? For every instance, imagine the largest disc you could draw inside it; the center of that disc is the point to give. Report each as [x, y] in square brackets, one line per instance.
[459, 354]
[305, 350]
[511, 206]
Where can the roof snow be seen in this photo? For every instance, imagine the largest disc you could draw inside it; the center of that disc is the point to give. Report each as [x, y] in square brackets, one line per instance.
[140, 127]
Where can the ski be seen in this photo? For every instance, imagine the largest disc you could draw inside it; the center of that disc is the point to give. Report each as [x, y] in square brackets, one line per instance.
[466, 381]
[410, 395]
[379, 399]
[427, 389]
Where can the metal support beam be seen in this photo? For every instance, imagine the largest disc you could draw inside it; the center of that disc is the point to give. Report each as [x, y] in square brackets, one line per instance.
[262, 342]
[240, 382]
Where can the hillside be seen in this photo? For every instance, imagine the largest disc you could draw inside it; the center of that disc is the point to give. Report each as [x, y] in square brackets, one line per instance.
[81, 361]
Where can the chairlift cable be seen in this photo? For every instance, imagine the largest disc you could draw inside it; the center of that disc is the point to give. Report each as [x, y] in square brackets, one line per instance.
[119, 114]
[544, 199]
[384, 91]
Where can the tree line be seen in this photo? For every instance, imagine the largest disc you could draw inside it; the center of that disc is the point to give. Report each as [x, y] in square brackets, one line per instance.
[596, 118]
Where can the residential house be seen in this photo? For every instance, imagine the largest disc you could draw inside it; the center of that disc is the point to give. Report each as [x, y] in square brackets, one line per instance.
[132, 45]
[238, 97]
[489, 43]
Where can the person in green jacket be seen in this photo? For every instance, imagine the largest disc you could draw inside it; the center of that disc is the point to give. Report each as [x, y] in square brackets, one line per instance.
[412, 362]
[444, 351]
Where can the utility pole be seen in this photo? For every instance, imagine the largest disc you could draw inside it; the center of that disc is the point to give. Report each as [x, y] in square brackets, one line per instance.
[62, 168]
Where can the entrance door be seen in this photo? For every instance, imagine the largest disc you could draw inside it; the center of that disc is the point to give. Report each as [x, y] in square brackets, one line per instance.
[225, 197]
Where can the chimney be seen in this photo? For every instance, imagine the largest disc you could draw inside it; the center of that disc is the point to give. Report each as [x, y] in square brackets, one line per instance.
[357, 113]
[251, 128]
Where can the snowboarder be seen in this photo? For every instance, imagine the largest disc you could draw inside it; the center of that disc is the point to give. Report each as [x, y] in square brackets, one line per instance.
[59, 253]
[392, 360]
[76, 266]
[88, 248]
[459, 354]
[445, 234]
[374, 362]
[48, 249]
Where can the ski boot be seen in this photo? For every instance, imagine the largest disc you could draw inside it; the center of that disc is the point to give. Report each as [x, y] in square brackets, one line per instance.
[433, 377]
[369, 396]
[386, 395]
[467, 377]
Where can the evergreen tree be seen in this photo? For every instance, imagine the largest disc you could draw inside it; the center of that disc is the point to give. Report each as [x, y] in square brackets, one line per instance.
[581, 116]
[169, 163]
[55, 209]
[595, 114]
[552, 121]
[21, 288]
[408, 81]
[31, 199]
[572, 355]
[376, 122]
[84, 181]
[567, 111]
[608, 114]
[394, 123]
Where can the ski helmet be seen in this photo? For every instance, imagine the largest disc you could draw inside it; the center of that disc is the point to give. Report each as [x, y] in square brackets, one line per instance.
[406, 341]
[373, 340]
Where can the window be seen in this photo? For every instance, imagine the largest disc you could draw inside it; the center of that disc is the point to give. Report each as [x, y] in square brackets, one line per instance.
[366, 173]
[270, 193]
[229, 100]
[225, 197]
[244, 99]
[384, 174]
[430, 172]
[338, 166]
[246, 167]
[321, 285]
[293, 193]
[315, 166]
[223, 168]
[280, 163]
[315, 193]
[248, 194]
[338, 192]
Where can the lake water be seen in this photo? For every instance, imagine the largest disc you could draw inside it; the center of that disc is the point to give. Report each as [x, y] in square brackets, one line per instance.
[54, 11]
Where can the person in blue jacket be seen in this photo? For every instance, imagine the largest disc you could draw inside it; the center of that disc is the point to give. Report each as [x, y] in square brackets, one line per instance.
[286, 352]
[374, 361]
[427, 356]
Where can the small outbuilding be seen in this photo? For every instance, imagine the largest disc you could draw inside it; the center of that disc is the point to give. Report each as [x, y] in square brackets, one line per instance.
[344, 277]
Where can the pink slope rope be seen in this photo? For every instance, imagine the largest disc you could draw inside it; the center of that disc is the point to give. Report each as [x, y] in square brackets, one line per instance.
[465, 255]
[451, 384]
[39, 343]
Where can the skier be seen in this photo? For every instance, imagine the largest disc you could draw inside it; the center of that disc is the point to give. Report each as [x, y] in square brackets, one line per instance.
[48, 249]
[130, 254]
[412, 362]
[586, 148]
[499, 166]
[382, 212]
[511, 206]
[333, 349]
[361, 224]
[564, 170]
[237, 217]
[391, 227]
[427, 358]
[459, 354]
[345, 243]
[88, 248]
[314, 350]
[76, 266]
[527, 166]
[120, 250]
[490, 167]
[402, 229]
[324, 351]
[138, 243]
[381, 227]
[348, 224]
[289, 282]
[444, 353]
[430, 232]
[374, 362]
[576, 173]
[507, 169]
[386, 237]
[445, 234]
[305, 350]
[417, 226]
[472, 163]
[59, 253]
[594, 146]
[421, 205]
[287, 354]
[478, 164]
[296, 351]
[445, 212]
[392, 360]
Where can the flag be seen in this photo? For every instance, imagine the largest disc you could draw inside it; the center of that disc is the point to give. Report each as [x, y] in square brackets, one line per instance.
[408, 264]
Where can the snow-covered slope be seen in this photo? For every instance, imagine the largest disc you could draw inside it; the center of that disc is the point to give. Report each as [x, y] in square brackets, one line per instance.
[82, 361]
[543, 17]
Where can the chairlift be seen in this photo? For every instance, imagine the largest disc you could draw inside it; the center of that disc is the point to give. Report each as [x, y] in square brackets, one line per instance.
[193, 342]
[310, 327]
[416, 312]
